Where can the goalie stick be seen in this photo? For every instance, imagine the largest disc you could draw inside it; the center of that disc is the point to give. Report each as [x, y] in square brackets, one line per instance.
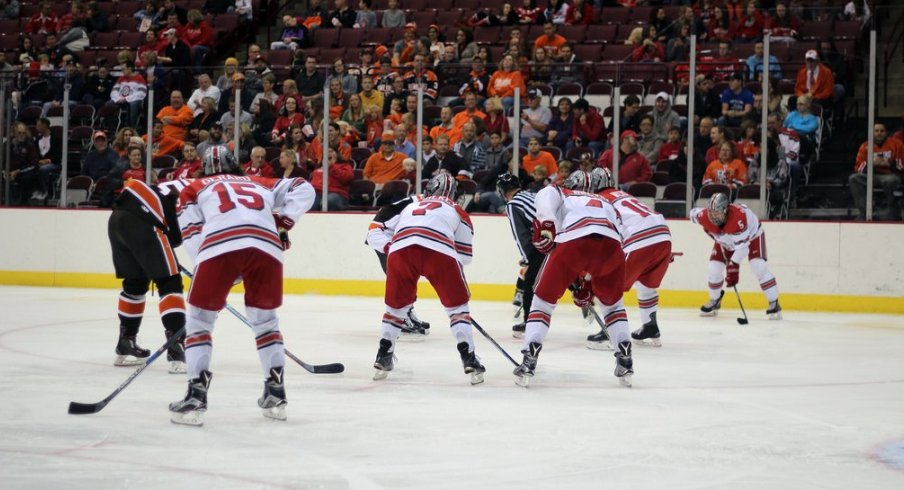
[333, 368]
[76, 408]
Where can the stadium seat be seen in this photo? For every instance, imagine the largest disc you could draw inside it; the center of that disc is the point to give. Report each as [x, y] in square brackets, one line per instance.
[393, 191]
[601, 34]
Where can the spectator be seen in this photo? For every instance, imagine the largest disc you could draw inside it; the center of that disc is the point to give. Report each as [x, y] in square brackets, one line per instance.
[858, 10]
[888, 170]
[588, 129]
[176, 57]
[750, 26]
[421, 78]
[341, 176]
[725, 62]
[535, 118]
[206, 88]
[162, 143]
[23, 163]
[664, 118]
[633, 166]
[201, 124]
[727, 169]
[659, 19]
[719, 28]
[288, 115]
[499, 158]
[311, 81]
[816, 80]
[528, 13]
[338, 100]
[837, 63]
[403, 50]
[402, 144]
[245, 11]
[540, 179]
[76, 16]
[230, 68]
[558, 132]
[569, 68]
[170, 7]
[556, 11]
[190, 165]
[649, 50]
[648, 144]
[550, 40]
[782, 26]
[495, 120]
[96, 19]
[122, 140]
[446, 126]
[677, 47]
[369, 95]
[365, 18]
[756, 61]
[347, 81]
[292, 35]
[44, 21]
[444, 159]
[393, 16]
[630, 116]
[580, 13]
[176, 117]
[101, 159]
[749, 143]
[717, 136]
[50, 153]
[672, 147]
[238, 88]
[134, 167]
[805, 124]
[465, 47]
[258, 166]
[471, 151]
[9, 9]
[708, 103]
[470, 113]
[737, 102]
[288, 165]
[129, 93]
[540, 69]
[386, 164]
[427, 151]
[343, 16]
[537, 157]
[354, 115]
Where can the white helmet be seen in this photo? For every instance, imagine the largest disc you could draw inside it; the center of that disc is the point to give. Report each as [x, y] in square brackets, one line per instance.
[442, 185]
[601, 178]
[218, 160]
[718, 208]
[579, 180]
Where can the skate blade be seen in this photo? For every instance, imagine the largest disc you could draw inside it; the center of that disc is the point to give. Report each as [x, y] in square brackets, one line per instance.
[599, 345]
[193, 418]
[775, 316]
[177, 367]
[648, 342]
[276, 413]
[708, 313]
[518, 335]
[380, 374]
[128, 361]
[412, 337]
[523, 381]
[626, 380]
[476, 378]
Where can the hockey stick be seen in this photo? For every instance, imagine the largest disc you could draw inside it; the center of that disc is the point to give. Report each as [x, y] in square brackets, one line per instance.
[741, 321]
[485, 334]
[334, 368]
[76, 408]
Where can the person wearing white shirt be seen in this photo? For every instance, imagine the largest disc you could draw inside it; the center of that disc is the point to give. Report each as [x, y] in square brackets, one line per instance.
[206, 88]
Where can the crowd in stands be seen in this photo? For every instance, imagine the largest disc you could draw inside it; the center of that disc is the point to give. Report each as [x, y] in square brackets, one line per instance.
[470, 64]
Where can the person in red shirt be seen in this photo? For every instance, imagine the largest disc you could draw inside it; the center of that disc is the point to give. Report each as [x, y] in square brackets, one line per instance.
[783, 27]
[198, 34]
[341, 175]
[749, 28]
[43, 22]
[580, 13]
[190, 166]
[588, 129]
[136, 166]
[816, 80]
[632, 166]
[672, 147]
[258, 166]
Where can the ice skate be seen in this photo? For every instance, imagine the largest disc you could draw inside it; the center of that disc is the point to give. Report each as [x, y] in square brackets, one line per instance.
[775, 310]
[525, 371]
[712, 307]
[624, 365]
[273, 401]
[190, 410]
[518, 302]
[385, 360]
[175, 354]
[471, 364]
[648, 334]
[414, 328]
[128, 353]
[599, 341]
[518, 330]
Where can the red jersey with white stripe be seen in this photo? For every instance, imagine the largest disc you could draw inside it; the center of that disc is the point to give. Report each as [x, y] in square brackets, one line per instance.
[577, 214]
[223, 213]
[641, 225]
[740, 228]
[436, 223]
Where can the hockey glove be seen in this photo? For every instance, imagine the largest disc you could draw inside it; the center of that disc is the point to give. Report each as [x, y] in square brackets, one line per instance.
[283, 225]
[544, 236]
[731, 274]
[581, 293]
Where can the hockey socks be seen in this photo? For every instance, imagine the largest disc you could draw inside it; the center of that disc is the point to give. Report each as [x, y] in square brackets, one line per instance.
[198, 340]
[130, 311]
[647, 300]
[460, 324]
[268, 338]
[537, 322]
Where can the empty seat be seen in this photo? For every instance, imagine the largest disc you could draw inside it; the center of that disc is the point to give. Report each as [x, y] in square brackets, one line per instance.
[393, 191]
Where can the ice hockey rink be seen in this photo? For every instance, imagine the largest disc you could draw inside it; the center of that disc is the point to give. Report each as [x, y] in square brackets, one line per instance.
[815, 401]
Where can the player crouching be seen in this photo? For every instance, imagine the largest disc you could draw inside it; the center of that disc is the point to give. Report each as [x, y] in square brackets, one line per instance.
[581, 233]
[737, 233]
[433, 238]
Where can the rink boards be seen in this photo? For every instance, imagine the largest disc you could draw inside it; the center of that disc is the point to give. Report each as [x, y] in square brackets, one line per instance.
[854, 267]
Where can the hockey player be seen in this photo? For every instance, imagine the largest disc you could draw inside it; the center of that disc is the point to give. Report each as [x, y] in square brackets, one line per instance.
[737, 234]
[648, 251]
[236, 227]
[143, 231]
[581, 233]
[432, 238]
[379, 236]
[521, 213]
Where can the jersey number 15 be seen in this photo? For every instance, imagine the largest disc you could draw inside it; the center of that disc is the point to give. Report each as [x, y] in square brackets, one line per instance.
[244, 195]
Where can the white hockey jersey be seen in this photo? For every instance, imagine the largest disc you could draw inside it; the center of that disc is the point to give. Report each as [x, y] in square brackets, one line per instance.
[436, 223]
[577, 214]
[641, 225]
[223, 213]
[740, 228]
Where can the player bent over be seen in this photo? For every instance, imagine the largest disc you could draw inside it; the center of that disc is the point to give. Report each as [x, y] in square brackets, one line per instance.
[433, 239]
[230, 232]
[379, 234]
[581, 233]
[737, 234]
[143, 231]
[648, 251]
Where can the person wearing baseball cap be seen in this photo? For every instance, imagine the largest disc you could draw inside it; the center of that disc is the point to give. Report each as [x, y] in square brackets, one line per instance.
[737, 101]
[815, 79]
[386, 164]
[535, 118]
[633, 166]
[101, 159]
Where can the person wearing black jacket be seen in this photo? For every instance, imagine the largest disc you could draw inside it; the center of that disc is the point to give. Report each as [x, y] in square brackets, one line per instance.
[98, 87]
[707, 102]
[343, 16]
[445, 159]
[143, 230]
[23, 164]
[50, 154]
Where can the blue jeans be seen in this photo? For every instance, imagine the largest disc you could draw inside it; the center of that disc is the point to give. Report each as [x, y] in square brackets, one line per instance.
[334, 202]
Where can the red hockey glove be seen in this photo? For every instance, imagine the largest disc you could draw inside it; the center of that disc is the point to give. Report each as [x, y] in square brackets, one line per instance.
[283, 223]
[544, 236]
[582, 294]
[731, 274]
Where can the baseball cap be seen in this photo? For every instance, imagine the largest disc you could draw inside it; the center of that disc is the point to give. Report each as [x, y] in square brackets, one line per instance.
[169, 31]
[411, 25]
[217, 125]
[534, 92]
[627, 133]
[231, 61]
[737, 76]
[388, 136]
[811, 55]
[238, 76]
[381, 50]
[99, 134]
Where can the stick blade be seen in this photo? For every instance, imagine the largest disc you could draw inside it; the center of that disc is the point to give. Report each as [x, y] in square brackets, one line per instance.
[76, 408]
[742, 321]
[334, 368]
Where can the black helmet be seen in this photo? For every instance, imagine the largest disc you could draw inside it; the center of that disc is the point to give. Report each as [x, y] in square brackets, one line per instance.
[507, 182]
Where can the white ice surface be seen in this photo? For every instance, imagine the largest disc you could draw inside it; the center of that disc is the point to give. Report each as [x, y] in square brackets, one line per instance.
[810, 402]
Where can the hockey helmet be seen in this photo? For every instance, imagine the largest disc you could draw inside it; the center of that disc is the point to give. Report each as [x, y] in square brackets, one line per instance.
[601, 178]
[718, 208]
[442, 185]
[579, 180]
[507, 182]
[219, 160]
